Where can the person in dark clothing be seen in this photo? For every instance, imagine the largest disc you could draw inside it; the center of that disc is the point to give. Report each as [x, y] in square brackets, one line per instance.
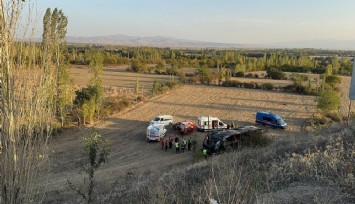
[166, 145]
[189, 144]
[170, 143]
[176, 139]
[182, 134]
[162, 143]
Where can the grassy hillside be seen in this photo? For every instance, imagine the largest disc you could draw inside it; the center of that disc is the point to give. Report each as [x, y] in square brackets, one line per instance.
[298, 168]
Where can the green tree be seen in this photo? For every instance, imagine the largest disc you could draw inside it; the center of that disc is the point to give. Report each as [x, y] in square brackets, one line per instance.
[328, 100]
[160, 67]
[329, 70]
[95, 151]
[335, 64]
[204, 75]
[95, 71]
[54, 48]
[157, 87]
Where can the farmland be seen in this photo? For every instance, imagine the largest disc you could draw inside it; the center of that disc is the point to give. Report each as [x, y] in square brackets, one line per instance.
[125, 130]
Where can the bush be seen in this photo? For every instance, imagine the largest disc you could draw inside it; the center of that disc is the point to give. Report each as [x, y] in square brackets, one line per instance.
[112, 105]
[267, 86]
[334, 116]
[240, 74]
[300, 89]
[328, 100]
[275, 74]
[332, 80]
[172, 84]
[298, 78]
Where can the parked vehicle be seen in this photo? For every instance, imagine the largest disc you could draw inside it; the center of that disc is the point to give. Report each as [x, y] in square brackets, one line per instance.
[209, 123]
[162, 119]
[185, 127]
[270, 119]
[155, 132]
[216, 141]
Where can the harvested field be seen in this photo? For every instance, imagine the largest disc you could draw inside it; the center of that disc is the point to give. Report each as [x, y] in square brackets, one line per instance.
[130, 151]
[118, 77]
[276, 83]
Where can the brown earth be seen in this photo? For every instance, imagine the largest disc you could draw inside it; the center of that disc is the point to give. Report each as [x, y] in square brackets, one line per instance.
[125, 130]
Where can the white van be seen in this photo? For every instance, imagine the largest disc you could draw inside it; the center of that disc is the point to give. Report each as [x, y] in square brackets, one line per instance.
[209, 123]
[162, 119]
[155, 132]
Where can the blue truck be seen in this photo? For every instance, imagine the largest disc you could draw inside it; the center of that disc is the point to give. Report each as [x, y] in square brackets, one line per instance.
[270, 119]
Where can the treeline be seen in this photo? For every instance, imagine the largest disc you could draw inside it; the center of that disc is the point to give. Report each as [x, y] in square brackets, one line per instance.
[170, 61]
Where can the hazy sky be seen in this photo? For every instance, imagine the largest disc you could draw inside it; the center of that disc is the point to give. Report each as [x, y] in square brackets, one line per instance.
[231, 21]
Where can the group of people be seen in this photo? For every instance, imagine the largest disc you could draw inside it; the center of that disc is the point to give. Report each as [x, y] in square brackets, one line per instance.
[179, 143]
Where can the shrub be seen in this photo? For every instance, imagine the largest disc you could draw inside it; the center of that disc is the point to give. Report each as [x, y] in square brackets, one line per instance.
[172, 84]
[267, 86]
[334, 116]
[275, 74]
[157, 87]
[112, 105]
[328, 100]
[240, 74]
[298, 78]
[332, 80]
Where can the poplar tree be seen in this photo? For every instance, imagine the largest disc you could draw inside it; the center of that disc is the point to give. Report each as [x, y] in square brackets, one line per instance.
[54, 47]
[95, 71]
[27, 107]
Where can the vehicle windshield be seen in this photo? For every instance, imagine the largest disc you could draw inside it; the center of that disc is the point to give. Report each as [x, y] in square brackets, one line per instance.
[281, 122]
[156, 119]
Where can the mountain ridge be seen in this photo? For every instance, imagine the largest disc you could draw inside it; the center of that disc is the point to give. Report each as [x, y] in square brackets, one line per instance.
[162, 41]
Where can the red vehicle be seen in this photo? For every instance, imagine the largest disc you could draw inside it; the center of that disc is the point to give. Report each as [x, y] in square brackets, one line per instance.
[185, 126]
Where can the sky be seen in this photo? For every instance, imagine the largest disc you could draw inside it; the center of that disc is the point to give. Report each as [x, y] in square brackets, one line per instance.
[226, 21]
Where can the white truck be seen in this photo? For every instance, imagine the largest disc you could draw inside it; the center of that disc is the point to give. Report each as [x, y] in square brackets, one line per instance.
[155, 132]
[210, 123]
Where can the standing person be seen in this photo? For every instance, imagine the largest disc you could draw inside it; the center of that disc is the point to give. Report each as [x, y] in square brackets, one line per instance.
[182, 133]
[176, 139]
[170, 142]
[177, 146]
[204, 151]
[189, 144]
[162, 142]
[170, 137]
[166, 145]
[183, 145]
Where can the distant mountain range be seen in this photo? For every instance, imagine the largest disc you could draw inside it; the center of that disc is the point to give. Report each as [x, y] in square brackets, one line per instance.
[161, 41]
[154, 41]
